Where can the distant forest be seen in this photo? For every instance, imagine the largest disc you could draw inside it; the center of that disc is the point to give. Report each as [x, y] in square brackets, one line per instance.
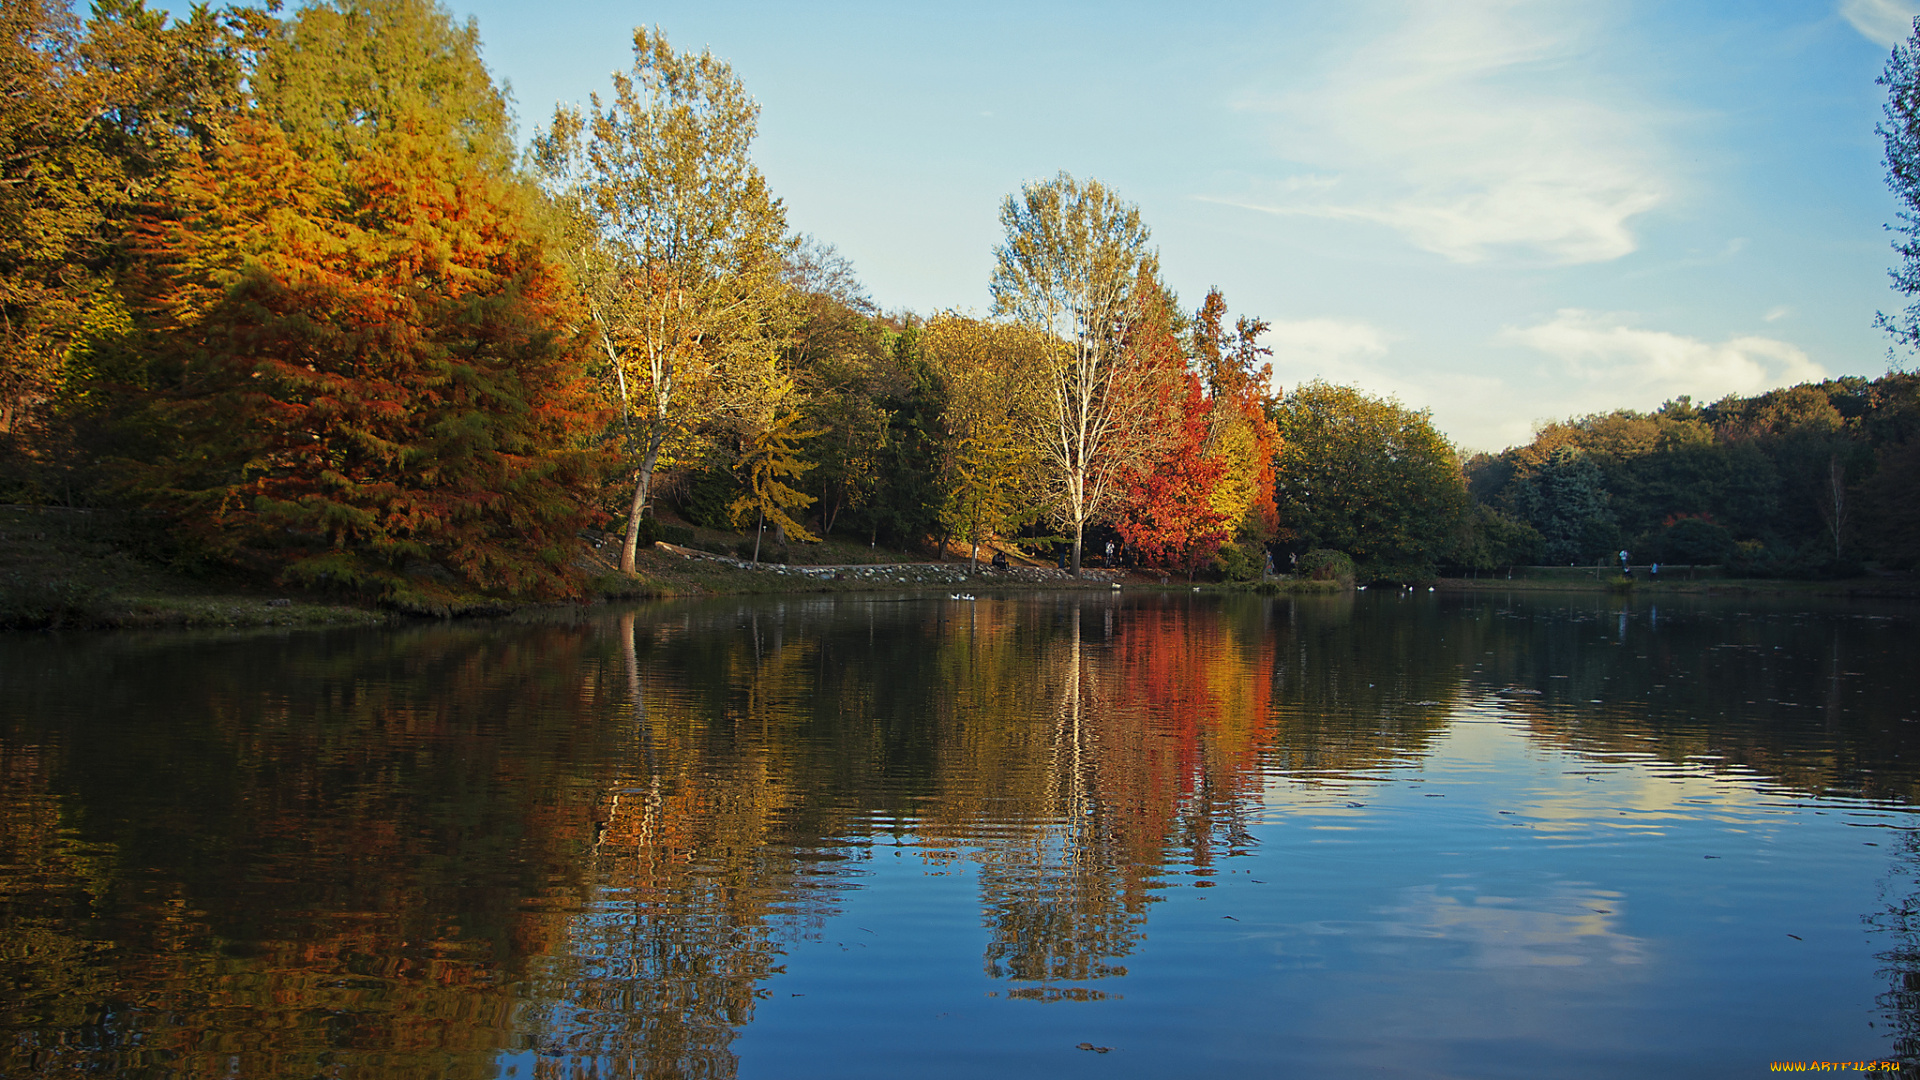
[1811, 480]
[283, 287]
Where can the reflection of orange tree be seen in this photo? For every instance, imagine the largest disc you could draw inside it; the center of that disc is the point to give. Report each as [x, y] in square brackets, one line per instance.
[301, 876]
[1137, 736]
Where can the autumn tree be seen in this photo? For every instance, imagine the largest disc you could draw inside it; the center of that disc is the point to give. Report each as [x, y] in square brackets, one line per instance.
[682, 247]
[1169, 516]
[359, 364]
[93, 117]
[350, 72]
[1167, 513]
[1239, 432]
[991, 372]
[770, 467]
[1066, 267]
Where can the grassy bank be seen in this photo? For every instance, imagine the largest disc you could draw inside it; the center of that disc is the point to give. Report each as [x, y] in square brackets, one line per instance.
[74, 569]
[82, 570]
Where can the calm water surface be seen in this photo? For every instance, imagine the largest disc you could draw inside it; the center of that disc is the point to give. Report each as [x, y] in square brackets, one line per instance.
[1382, 835]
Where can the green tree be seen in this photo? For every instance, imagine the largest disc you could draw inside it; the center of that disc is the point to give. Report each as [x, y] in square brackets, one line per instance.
[1565, 499]
[1365, 476]
[1067, 267]
[1900, 133]
[684, 252]
[837, 356]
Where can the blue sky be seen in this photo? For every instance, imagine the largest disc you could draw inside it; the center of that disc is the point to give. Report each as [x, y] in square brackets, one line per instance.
[1505, 212]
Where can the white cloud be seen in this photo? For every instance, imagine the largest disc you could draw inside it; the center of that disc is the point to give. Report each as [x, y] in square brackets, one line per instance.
[1887, 22]
[1476, 131]
[1332, 349]
[1469, 406]
[1646, 366]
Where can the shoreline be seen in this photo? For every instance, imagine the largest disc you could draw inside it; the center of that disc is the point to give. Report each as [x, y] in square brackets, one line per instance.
[71, 571]
[1845, 588]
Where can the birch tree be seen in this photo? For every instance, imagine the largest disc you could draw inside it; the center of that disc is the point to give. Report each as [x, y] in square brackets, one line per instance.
[680, 246]
[1067, 268]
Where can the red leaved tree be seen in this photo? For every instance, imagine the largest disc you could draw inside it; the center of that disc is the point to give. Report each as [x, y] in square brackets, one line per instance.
[364, 370]
[1168, 515]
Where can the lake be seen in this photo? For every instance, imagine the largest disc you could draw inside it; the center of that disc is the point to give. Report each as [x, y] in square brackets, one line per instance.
[1387, 833]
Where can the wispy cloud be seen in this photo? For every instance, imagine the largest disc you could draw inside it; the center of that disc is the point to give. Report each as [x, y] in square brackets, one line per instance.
[1639, 365]
[1477, 131]
[1887, 22]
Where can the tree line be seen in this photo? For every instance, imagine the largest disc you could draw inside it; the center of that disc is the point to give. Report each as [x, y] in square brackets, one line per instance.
[285, 284]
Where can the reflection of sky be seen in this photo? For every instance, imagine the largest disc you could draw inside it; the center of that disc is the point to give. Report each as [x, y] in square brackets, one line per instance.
[1517, 896]
[1502, 907]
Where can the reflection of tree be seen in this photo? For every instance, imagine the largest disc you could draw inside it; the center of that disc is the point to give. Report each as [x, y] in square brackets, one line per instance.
[404, 853]
[1059, 905]
[288, 868]
[686, 880]
[1900, 922]
[54, 978]
[1817, 699]
[1358, 687]
[1152, 747]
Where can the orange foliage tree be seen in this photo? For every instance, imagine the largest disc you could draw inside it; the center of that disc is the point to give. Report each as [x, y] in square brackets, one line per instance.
[361, 369]
[1239, 429]
[1168, 515]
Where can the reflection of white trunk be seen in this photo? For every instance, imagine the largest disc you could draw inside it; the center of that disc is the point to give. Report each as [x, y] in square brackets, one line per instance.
[1068, 781]
[644, 738]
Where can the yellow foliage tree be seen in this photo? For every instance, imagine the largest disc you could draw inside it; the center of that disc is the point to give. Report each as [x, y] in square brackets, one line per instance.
[768, 462]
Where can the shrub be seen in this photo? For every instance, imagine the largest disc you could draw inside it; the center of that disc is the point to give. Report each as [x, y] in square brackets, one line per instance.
[1323, 565]
[1241, 562]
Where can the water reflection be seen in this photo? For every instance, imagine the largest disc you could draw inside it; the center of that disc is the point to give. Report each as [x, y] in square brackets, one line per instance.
[592, 844]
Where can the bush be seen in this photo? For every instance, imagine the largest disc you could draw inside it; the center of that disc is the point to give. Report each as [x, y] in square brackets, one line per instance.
[1241, 562]
[1323, 565]
[33, 604]
[678, 535]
